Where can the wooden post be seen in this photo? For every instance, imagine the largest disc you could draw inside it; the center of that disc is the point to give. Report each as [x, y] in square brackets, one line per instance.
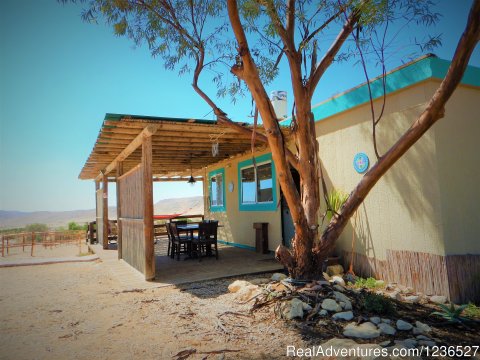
[105, 211]
[23, 242]
[148, 208]
[3, 247]
[33, 243]
[8, 248]
[119, 210]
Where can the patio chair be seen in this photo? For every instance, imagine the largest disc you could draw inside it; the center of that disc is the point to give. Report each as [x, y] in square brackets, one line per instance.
[206, 239]
[179, 244]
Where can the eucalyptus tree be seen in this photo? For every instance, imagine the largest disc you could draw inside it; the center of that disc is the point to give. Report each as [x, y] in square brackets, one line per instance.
[249, 38]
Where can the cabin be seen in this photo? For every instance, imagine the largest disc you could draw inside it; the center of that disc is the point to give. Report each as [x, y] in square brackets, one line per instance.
[418, 227]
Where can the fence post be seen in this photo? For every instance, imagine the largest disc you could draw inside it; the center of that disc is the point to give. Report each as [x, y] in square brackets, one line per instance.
[8, 249]
[33, 243]
[23, 242]
[3, 247]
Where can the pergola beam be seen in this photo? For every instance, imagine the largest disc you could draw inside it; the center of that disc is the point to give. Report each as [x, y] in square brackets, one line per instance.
[147, 132]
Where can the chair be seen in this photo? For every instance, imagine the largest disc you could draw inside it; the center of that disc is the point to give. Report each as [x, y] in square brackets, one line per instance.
[177, 242]
[207, 236]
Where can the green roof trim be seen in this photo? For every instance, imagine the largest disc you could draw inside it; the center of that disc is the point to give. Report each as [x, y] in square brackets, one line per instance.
[406, 75]
[118, 117]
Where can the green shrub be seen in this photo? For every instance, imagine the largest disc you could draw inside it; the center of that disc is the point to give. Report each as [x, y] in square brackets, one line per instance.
[369, 283]
[472, 311]
[378, 304]
[37, 227]
[336, 199]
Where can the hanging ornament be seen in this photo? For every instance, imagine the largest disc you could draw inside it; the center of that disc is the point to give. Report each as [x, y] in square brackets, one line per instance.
[215, 150]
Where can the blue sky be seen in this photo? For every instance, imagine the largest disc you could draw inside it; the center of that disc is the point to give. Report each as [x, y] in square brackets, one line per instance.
[59, 76]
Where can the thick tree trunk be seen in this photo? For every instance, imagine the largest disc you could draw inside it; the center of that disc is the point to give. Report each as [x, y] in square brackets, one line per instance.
[434, 111]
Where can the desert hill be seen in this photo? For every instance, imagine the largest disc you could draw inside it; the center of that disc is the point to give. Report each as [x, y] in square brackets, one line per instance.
[15, 219]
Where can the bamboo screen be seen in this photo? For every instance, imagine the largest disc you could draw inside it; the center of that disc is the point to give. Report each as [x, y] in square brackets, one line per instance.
[131, 218]
[99, 197]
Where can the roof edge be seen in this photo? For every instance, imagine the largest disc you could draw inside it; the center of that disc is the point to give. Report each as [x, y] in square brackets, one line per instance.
[426, 67]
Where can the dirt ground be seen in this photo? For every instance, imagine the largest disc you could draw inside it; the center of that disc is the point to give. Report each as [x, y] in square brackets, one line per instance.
[40, 251]
[79, 311]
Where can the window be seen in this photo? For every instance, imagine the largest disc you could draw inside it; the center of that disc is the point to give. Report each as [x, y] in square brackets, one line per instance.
[257, 186]
[217, 190]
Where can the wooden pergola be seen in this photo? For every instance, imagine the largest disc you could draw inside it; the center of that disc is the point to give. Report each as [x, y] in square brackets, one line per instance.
[134, 151]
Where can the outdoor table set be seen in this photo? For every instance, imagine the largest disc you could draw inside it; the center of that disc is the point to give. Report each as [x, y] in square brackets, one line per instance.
[194, 239]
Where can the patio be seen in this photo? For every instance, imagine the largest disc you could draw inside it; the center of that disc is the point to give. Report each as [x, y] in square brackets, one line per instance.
[232, 261]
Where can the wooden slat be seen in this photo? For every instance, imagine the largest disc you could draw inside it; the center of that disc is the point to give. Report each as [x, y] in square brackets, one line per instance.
[148, 208]
[148, 131]
[105, 211]
[119, 210]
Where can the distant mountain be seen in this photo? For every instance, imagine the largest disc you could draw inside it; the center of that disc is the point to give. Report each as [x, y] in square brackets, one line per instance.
[15, 219]
[185, 206]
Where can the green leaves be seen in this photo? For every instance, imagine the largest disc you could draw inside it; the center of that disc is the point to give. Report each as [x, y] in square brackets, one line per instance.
[451, 313]
[336, 199]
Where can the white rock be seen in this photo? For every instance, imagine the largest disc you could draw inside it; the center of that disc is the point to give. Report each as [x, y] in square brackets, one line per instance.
[331, 305]
[421, 328]
[340, 296]
[347, 306]
[259, 281]
[323, 282]
[412, 299]
[345, 315]
[403, 325]
[410, 343]
[278, 277]
[387, 329]
[423, 337]
[386, 321]
[376, 320]
[237, 285]
[438, 299]
[393, 295]
[338, 280]
[366, 330]
[323, 312]
[399, 297]
[293, 309]
[247, 292]
[335, 270]
[337, 346]
[428, 343]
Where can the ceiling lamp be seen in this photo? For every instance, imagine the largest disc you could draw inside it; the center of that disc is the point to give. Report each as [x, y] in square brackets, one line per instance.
[192, 180]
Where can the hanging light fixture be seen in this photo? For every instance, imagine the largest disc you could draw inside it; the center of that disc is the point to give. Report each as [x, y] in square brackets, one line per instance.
[192, 180]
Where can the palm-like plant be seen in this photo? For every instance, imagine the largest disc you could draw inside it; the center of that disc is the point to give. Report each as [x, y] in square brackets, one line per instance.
[451, 313]
[336, 199]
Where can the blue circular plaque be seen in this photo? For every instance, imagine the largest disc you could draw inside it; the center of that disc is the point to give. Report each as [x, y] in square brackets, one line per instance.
[360, 162]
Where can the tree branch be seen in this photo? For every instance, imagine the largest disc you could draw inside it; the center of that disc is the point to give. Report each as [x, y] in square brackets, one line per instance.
[323, 65]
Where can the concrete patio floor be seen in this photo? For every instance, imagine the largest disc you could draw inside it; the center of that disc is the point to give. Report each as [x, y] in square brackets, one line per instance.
[232, 262]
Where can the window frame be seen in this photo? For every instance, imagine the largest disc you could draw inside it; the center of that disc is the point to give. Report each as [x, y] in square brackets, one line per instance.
[257, 206]
[212, 174]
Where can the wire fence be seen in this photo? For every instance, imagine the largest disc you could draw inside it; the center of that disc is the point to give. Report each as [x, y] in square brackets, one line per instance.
[30, 240]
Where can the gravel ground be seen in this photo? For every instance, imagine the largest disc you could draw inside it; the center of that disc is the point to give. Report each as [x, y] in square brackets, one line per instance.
[78, 311]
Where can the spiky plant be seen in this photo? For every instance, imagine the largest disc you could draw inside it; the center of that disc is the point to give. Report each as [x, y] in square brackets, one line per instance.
[336, 199]
[452, 313]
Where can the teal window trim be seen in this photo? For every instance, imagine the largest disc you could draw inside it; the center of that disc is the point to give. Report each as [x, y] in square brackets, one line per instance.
[270, 206]
[217, 208]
